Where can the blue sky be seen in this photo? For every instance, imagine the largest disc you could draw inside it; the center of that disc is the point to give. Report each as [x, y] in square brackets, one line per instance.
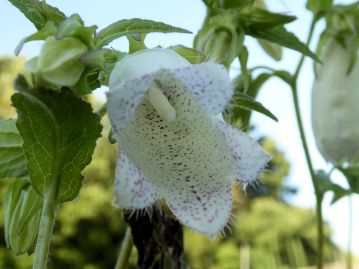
[275, 95]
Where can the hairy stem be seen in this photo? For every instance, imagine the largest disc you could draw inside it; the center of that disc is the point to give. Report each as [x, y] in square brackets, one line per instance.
[318, 193]
[47, 222]
[125, 252]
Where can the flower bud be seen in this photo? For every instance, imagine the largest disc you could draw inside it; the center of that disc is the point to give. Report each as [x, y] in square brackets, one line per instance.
[59, 61]
[335, 110]
[218, 38]
[22, 216]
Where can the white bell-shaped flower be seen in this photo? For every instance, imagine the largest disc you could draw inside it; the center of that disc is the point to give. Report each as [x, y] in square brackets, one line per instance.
[171, 144]
[335, 109]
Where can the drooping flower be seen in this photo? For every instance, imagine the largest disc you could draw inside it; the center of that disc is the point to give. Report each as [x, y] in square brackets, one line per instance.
[335, 110]
[171, 144]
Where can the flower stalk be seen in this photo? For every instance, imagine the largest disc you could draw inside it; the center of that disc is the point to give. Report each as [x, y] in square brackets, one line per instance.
[318, 193]
[47, 223]
[125, 252]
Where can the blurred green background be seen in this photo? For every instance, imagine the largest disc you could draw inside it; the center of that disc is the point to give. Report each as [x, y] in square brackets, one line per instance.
[265, 232]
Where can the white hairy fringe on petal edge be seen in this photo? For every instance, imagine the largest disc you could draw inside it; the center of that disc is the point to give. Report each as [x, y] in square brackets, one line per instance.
[148, 211]
[203, 210]
[249, 156]
[132, 191]
[208, 82]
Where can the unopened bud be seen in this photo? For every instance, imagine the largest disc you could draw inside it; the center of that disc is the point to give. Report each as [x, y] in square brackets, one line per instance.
[335, 110]
[59, 61]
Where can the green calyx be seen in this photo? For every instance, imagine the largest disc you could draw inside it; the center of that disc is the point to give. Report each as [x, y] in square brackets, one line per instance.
[218, 39]
[59, 61]
[343, 27]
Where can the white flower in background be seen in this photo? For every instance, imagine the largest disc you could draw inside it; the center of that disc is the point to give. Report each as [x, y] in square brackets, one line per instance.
[335, 105]
[172, 145]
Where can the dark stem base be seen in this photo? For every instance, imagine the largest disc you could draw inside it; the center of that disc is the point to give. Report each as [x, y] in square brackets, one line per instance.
[158, 239]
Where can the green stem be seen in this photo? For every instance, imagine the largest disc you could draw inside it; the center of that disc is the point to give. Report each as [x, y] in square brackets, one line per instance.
[136, 43]
[47, 222]
[350, 233]
[301, 61]
[102, 110]
[125, 252]
[318, 193]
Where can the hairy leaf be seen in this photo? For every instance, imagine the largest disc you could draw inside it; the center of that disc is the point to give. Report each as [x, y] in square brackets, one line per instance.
[59, 132]
[132, 27]
[12, 157]
[48, 30]
[39, 13]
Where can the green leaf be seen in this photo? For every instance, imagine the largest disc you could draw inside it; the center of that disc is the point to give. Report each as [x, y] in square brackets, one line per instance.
[283, 75]
[39, 13]
[235, 3]
[246, 102]
[132, 27]
[11, 198]
[192, 55]
[111, 58]
[31, 205]
[324, 182]
[89, 81]
[325, 185]
[273, 50]
[281, 36]
[20, 201]
[339, 192]
[352, 175]
[256, 84]
[212, 4]
[48, 30]
[59, 132]
[239, 115]
[319, 6]
[259, 19]
[12, 160]
[243, 59]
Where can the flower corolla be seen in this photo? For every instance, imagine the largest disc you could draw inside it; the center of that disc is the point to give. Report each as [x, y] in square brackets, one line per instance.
[172, 144]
